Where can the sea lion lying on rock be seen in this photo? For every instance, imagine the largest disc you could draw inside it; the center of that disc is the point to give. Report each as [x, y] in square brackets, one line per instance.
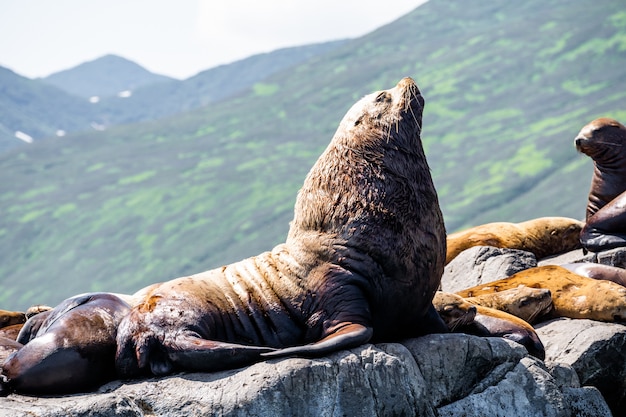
[573, 295]
[527, 303]
[453, 309]
[544, 236]
[70, 348]
[461, 316]
[9, 318]
[604, 141]
[362, 260]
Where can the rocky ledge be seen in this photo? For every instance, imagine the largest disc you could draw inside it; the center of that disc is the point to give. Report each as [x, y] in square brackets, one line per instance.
[584, 373]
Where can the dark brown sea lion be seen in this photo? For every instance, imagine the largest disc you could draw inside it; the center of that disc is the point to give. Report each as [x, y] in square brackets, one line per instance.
[573, 295]
[604, 141]
[362, 261]
[454, 309]
[598, 271]
[544, 236]
[490, 322]
[527, 303]
[70, 348]
[9, 318]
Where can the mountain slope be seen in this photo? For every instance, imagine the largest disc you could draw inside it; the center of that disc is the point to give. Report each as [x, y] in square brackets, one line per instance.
[102, 77]
[507, 87]
[210, 86]
[38, 110]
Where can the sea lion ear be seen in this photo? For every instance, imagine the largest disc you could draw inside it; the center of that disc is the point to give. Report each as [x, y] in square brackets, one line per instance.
[358, 121]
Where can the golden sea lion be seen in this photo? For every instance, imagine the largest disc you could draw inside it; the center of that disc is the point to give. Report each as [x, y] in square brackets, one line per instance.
[544, 236]
[573, 295]
[464, 317]
[524, 302]
[453, 309]
[9, 318]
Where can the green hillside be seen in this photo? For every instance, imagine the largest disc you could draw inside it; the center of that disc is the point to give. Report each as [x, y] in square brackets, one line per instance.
[105, 76]
[37, 109]
[210, 86]
[507, 87]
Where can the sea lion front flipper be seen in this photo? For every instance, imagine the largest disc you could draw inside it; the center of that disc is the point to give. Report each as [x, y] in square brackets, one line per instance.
[347, 335]
[605, 229]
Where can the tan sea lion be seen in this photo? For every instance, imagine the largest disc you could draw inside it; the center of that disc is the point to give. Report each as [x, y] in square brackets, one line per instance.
[11, 331]
[544, 236]
[9, 318]
[362, 261]
[573, 295]
[453, 309]
[463, 317]
[70, 348]
[604, 141]
[527, 303]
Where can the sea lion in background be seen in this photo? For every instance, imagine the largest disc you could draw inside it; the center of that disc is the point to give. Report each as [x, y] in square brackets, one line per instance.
[8, 346]
[11, 331]
[490, 322]
[573, 295]
[527, 303]
[36, 309]
[9, 318]
[544, 236]
[598, 271]
[604, 141]
[362, 261]
[454, 310]
[70, 348]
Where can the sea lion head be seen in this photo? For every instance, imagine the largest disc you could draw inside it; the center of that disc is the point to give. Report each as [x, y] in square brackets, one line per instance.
[454, 310]
[602, 139]
[526, 302]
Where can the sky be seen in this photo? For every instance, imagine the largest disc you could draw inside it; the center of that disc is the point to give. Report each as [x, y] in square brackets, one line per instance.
[178, 38]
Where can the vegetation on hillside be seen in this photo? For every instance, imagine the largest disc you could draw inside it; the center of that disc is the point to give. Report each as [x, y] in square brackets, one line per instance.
[507, 87]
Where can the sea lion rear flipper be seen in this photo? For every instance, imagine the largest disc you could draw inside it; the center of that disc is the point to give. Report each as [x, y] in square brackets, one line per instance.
[194, 353]
[346, 336]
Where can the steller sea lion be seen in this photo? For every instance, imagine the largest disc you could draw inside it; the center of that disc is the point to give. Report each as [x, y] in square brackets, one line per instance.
[604, 141]
[453, 309]
[527, 303]
[463, 317]
[9, 318]
[573, 295]
[70, 348]
[362, 261]
[598, 271]
[490, 322]
[544, 236]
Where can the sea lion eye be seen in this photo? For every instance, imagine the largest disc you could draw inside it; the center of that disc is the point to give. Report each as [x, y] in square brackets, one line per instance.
[382, 96]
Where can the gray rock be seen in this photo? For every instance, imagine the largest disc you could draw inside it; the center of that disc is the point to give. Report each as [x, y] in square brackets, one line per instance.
[436, 375]
[595, 350]
[481, 264]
